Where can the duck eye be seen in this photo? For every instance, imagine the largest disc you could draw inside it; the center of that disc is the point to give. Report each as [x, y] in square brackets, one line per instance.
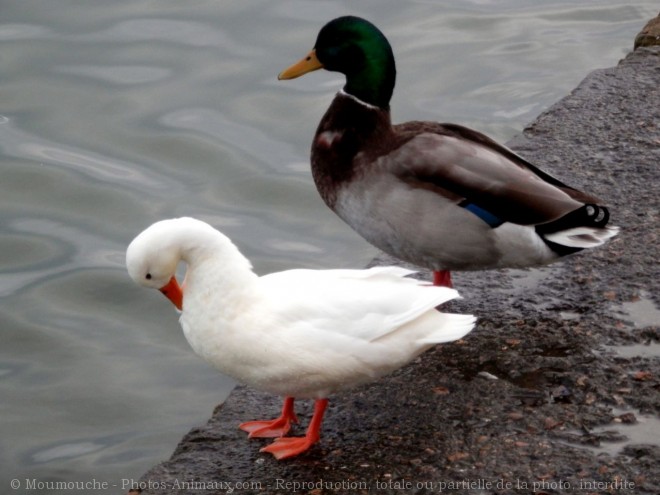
[148, 276]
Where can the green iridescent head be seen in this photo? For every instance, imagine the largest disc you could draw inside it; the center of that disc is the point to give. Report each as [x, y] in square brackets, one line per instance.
[360, 51]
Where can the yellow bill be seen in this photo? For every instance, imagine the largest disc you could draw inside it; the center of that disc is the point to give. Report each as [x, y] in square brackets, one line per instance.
[308, 64]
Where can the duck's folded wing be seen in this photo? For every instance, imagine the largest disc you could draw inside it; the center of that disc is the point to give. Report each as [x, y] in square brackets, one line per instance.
[360, 304]
[483, 174]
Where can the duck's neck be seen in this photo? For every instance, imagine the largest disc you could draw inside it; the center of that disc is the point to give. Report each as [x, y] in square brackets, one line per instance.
[216, 270]
[377, 96]
[354, 117]
[372, 80]
[365, 104]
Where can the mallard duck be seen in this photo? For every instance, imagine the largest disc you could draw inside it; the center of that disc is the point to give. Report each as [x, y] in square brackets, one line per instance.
[440, 196]
[296, 333]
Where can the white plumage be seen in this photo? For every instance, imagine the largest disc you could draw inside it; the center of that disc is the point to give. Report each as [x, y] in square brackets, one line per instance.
[297, 333]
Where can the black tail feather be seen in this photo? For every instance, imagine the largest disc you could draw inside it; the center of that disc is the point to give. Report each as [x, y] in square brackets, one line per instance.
[589, 215]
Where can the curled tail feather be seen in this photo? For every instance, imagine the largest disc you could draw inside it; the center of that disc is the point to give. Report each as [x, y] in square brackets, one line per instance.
[583, 228]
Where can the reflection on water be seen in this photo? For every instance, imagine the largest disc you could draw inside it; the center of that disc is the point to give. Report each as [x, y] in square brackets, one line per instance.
[66, 450]
[116, 115]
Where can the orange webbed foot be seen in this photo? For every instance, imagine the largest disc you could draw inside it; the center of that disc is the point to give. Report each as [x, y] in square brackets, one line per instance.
[283, 448]
[277, 427]
[267, 429]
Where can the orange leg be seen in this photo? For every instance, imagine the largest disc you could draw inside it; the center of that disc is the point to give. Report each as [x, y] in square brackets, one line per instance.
[442, 278]
[274, 428]
[292, 446]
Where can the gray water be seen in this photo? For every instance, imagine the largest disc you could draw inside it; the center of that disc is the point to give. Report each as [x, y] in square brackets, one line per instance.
[116, 114]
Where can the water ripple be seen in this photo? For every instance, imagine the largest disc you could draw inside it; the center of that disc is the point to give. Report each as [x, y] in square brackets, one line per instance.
[14, 32]
[118, 74]
[249, 140]
[168, 30]
[17, 143]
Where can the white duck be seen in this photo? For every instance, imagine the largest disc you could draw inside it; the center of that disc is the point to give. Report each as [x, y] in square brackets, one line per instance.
[297, 333]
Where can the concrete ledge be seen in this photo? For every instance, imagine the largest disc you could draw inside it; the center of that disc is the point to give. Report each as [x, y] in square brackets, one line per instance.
[544, 394]
[650, 34]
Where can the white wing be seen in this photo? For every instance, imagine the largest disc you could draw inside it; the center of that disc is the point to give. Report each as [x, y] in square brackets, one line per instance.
[361, 304]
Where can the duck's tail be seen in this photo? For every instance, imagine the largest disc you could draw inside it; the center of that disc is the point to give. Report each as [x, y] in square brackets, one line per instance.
[583, 228]
[454, 327]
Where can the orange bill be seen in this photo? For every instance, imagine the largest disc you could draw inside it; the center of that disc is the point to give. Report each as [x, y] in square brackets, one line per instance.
[308, 64]
[173, 292]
